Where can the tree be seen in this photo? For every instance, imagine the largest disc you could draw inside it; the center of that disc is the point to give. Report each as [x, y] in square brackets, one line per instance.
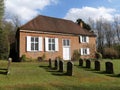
[1, 9]
[117, 28]
[85, 25]
[4, 45]
[109, 34]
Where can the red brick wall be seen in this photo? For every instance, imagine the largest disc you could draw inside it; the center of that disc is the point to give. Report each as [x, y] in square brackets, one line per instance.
[74, 44]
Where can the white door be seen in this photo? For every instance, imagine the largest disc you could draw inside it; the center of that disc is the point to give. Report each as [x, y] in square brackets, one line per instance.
[66, 49]
[66, 53]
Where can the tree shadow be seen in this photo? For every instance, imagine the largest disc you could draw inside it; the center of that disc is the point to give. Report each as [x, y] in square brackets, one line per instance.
[3, 69]
[53, 71]
[114, 75]
[48, 69]
[3, 72]
[44, 67]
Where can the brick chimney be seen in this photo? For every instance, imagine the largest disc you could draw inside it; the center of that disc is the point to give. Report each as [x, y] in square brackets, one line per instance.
[81, 24]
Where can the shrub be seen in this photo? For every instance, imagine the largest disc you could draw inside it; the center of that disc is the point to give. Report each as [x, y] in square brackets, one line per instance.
[59, 58]
[110, 53]
[23, 57]
[98, 55]
[76, 55]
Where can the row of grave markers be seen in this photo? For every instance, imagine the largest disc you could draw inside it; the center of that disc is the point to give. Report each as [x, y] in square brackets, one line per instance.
[108, 65]
[59, 65]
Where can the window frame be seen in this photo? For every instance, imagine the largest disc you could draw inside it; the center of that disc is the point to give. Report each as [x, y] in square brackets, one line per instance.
[85, 51]
[84, 39]
[51, 44]
[66, 42]
[34, 43]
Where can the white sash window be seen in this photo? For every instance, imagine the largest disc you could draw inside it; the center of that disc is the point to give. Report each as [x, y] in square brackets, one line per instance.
[51, 44]
[34, 43]
[84, 39]
[85, 51]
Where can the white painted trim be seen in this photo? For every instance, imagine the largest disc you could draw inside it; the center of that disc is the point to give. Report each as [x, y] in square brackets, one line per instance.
[40, 48]
[28, 40]
[46, 44]
[56, 44]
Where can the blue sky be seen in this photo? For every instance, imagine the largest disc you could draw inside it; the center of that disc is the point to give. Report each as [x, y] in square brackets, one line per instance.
[67, 9]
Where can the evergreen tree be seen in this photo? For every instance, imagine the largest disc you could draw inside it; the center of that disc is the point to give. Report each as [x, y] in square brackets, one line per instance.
[4, 45]
[1, 9]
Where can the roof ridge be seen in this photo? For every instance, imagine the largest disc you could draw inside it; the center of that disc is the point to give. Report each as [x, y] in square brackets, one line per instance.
[55, 18]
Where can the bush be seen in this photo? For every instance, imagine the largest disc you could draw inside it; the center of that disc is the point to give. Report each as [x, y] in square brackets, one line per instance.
[110, 53]
[98, 55]
[76, 55]
[23, 57]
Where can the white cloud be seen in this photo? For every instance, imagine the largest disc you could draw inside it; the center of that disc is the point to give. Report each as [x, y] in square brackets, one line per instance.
[27, 9]
[90, 12]
[109, 0]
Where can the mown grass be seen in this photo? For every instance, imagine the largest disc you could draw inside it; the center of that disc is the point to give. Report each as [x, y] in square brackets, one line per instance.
[38, 76]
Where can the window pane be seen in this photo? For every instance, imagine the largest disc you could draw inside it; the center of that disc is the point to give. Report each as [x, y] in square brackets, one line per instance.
[49, 40]
[36, 46]
[64, 43]
[32, 39]
[36, 39]
[53, 40]
[85, 51]
[53, 47]
[68, 43]
[84, 38]
[32, 46]
[49, 46]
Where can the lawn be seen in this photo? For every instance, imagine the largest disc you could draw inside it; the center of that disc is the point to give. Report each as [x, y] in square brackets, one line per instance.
[38, 76]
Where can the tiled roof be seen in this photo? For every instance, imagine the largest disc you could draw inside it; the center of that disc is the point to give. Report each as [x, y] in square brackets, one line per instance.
[56, 25]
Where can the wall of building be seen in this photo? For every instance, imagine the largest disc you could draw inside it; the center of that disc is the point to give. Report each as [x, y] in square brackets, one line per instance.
[74, 44]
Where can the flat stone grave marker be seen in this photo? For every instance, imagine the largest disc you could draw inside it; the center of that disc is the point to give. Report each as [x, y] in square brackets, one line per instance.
[80, 62]
[97, 65]
[61, 65]
[88, 63]
[69, 68]
[109, 67]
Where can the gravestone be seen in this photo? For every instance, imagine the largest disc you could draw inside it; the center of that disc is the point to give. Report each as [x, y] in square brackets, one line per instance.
[80, 62]
[69, 68]
[61, 65]
[88, 63]
[9, 63]
[56, 64]
[50, 63]
[109, 67]
[97, 65]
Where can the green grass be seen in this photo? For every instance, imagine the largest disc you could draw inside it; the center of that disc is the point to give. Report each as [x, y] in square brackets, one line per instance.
[37, 76]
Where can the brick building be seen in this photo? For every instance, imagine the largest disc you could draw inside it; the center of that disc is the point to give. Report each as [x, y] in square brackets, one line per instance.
[54, 37]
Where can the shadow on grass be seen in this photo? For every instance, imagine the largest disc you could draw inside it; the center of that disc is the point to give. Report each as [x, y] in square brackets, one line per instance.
[98, 72]
[3, 71]
[53, 71]
[59, 74]
[85, 68]
[114, 75]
